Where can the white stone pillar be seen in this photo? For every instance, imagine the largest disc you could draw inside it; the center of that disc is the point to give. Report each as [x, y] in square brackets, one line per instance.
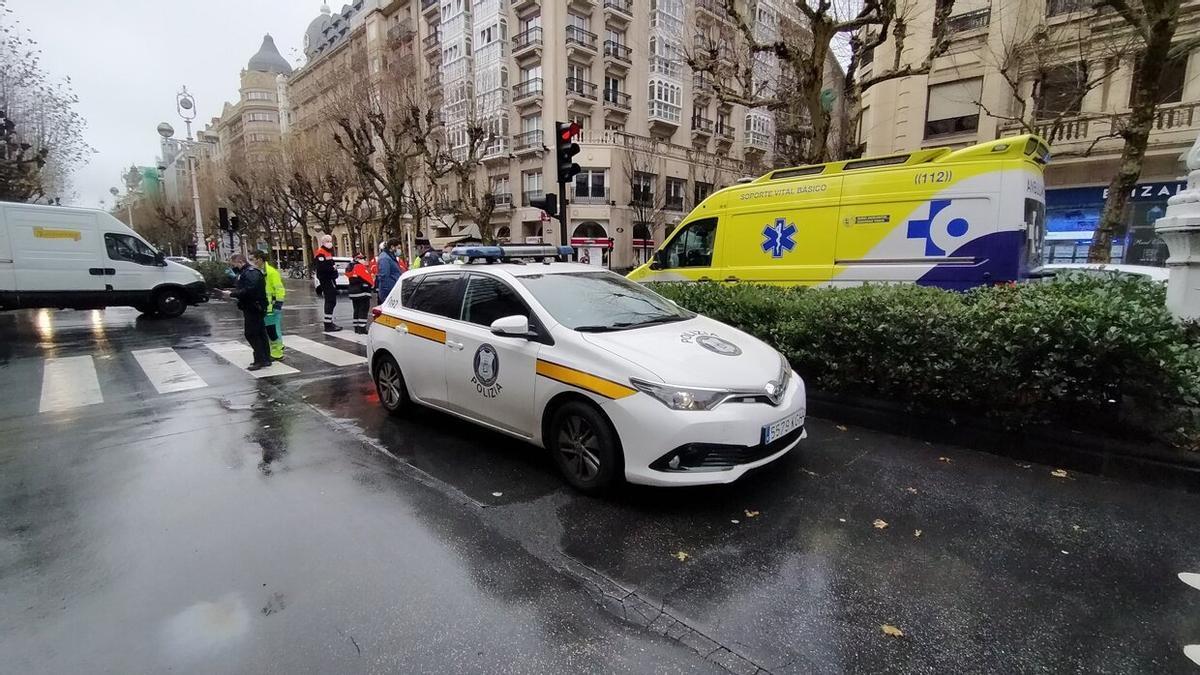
[1180, 229]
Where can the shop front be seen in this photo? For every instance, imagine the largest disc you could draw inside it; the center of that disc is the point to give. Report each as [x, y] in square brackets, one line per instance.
[592, 244]
[1072, 215]
[643, 243]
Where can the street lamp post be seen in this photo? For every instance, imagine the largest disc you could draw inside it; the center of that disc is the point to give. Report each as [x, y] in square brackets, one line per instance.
[185, 105]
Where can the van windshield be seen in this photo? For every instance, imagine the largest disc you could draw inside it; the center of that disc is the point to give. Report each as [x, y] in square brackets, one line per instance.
[601, 301]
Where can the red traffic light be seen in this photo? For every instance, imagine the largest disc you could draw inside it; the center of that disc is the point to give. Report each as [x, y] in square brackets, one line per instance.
[570, 131]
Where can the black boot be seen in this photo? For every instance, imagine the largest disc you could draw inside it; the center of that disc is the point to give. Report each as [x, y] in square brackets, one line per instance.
[331, 327]
[361, 330]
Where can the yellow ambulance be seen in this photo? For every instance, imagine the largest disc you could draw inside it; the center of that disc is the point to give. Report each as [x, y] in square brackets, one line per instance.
[941, 217]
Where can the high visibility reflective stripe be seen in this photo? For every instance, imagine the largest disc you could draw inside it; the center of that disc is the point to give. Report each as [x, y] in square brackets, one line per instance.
[241, 355]
[167, 371]
[427, 332]
[69, 382]
[582, 380]
[325, 353]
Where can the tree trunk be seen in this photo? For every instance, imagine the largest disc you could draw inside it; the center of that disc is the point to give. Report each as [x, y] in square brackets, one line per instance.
[1146, 76]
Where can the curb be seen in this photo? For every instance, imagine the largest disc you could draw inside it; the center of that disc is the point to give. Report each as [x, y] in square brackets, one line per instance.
[1150, 463]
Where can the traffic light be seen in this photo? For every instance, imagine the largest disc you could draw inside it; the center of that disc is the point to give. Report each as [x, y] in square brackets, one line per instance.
[223, 219]
[548, 203]
[566, 148]
[235, 224]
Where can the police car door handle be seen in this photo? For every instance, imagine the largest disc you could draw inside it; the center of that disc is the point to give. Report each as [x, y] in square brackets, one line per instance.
[456, 346]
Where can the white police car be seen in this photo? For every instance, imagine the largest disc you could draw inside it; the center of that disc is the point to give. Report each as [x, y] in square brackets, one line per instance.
[614, 380]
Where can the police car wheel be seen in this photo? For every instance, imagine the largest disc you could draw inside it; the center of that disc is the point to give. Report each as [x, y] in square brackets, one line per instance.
[389, 383]
[585, 447]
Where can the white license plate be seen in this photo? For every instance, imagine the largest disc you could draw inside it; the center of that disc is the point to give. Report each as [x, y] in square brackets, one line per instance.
[785, 426]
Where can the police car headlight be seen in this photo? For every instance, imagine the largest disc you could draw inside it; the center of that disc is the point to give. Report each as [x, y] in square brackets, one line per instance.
[682, 398]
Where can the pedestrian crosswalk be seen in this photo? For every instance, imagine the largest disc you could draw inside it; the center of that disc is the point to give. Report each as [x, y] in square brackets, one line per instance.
[78, 381]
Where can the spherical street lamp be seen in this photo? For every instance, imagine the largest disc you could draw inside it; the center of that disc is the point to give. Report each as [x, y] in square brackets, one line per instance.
[185, 105]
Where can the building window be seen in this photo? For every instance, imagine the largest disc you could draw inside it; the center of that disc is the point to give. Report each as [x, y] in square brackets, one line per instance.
[1170, 86]
[1061, 90]
[953, 107]
[531, 123]
[643, 188]
[666, 100]
[260, 96]
[531, 184]
[1056, 7]
[261, 117]
[676, 189]
[591, 186]
[703, 190]
[614, 126]
[258, 138]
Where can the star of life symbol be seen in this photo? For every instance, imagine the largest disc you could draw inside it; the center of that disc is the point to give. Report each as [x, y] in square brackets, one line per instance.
[779, 238]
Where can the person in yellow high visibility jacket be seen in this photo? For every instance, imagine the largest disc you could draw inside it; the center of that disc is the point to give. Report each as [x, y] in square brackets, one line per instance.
[275, 295]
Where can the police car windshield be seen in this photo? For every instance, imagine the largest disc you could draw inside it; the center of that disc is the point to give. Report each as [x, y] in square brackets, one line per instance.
[601, 301]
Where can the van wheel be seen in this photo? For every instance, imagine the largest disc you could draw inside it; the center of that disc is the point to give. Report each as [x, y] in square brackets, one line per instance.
[169, 303]
[389, 383]
[585, 447]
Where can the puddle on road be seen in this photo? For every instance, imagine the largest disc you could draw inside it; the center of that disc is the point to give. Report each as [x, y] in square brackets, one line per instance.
[206, 627]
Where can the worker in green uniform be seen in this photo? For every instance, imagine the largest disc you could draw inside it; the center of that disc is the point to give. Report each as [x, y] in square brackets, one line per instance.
[275, 295]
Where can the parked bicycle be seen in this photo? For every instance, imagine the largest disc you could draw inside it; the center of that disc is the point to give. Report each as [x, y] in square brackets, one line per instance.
[297, 272]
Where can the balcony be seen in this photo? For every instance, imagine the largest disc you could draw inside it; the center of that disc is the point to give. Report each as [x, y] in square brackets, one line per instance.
[431, 41]
[527, 42]
[617, 101]
[527, 92]
[434, 81]
[522, 5]
[580, 88]
[580, 40]
[503, 200]
[663, 117]
[1056, 7]
[967, 21]
[714, 7]
[701, 126]
[401, 33]
[530, 141]
[429, 7]
[702, 86]
[496, 150]
[582, 6]
[617, 55]
[527, 197]
[592, 196]
[757, 141]
[618, 10]
[724, 133]
[1175, 127]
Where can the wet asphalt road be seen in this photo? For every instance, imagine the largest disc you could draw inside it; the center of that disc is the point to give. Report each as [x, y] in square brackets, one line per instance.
[284, 524]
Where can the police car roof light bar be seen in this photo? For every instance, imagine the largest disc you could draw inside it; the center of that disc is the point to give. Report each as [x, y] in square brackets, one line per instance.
[493, 254]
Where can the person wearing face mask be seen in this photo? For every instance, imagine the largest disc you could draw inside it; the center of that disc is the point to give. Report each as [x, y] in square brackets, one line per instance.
[389, 269]
[251, 295]
[362, 284]
[327, 274]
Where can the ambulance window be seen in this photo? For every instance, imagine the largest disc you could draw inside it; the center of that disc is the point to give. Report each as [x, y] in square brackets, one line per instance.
[489, 299]
[439, 294]
[129, 248]
[693, 246]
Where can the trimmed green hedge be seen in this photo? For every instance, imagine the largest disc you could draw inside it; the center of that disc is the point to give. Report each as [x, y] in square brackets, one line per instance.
[215, 273]
[1081, 350]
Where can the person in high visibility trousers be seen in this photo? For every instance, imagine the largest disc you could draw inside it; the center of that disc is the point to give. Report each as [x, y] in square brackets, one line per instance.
[362, 284]
[327, 275]
[275, 295]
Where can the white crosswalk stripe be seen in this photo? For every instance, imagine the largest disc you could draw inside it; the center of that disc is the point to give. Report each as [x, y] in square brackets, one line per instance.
[69, 382]
[241, 355]
[1193, 653]
[325, 353]
[167, 371]
[348, 336]
[1191, 579]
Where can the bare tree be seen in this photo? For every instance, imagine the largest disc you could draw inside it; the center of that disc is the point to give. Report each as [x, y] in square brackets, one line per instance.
[1153, 24]
[455, 153]
[802, 51]
[641, 163]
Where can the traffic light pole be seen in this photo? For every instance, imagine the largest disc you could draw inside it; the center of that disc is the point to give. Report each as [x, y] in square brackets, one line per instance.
[562, 214]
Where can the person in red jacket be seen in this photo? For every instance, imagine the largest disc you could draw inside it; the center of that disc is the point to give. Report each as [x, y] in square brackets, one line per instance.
[362, 285]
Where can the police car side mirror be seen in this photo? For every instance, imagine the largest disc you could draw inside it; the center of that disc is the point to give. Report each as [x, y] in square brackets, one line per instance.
[511, 326]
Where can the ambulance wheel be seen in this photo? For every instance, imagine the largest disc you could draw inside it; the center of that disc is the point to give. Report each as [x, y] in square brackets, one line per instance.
[585, 447]
[169, 303]
[389, 384]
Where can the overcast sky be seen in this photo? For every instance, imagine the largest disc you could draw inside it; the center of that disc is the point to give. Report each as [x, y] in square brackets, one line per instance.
[128, 58]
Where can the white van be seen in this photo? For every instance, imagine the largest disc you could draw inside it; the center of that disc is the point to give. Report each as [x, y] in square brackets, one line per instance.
[55, 256]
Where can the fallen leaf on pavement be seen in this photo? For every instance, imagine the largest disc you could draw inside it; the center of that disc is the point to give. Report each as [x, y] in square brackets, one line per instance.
[842, 427]
[735, 521]
[751, 514]
[944, 459]
[912, 490]
[1059, 473]
[841, 520]
[682, 555]
[497, 494]
[880, 523]
[892, 631]
[916, 533]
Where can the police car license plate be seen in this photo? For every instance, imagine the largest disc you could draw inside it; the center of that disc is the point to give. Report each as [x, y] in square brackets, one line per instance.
[776, 430]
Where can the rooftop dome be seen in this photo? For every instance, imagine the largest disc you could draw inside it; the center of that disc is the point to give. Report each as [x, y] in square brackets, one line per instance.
[313, 37]
[268, 59]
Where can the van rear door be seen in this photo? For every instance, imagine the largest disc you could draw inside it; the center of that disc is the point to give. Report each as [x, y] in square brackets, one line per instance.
[55, 250]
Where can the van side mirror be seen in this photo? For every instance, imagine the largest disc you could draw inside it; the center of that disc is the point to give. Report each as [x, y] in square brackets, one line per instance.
[160, 259]
[659, 261]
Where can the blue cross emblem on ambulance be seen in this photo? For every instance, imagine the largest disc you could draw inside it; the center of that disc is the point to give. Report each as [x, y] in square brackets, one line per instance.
[924, 228]
[779, 238]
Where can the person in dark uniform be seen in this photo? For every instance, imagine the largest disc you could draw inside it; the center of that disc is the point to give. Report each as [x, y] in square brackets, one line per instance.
[361, 286]
[251, 294]
[327, 275]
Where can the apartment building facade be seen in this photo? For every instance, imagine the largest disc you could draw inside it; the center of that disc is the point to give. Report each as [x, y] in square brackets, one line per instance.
[654, 140]
[250, 127]
[1058, 68]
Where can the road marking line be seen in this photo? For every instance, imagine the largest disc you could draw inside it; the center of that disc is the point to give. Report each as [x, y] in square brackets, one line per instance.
[1193, 653]
[168, 372]
[69, 382]
[242, 356]
[1190, 578]
[326, 353]
[352, 337]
